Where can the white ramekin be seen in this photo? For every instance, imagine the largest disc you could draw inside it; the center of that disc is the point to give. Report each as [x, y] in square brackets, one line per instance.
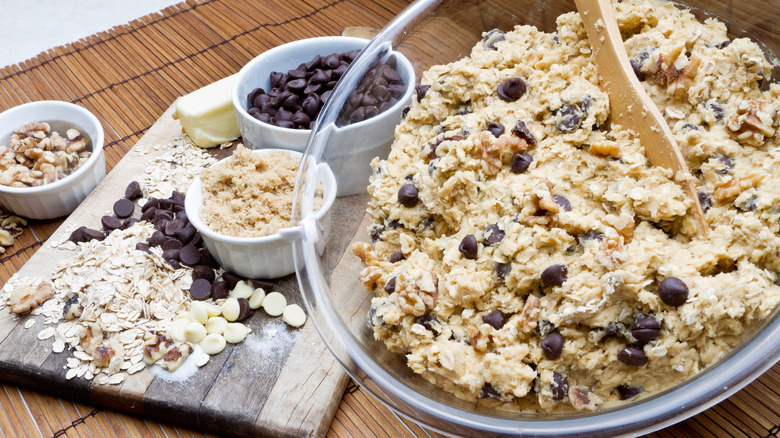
[269, 256]
[59, 198]
[351, 147]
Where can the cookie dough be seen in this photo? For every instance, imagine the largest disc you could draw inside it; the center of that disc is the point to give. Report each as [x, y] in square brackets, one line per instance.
[523, 251]
[249, 194]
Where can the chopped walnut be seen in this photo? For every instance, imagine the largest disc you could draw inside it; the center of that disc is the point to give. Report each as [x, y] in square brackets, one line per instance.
[751, 124]
[530, 315]
[25, 298]
[370, 275]
[605, 148]
[676, 80]
[155, 347]
[72, 308]
[429, 149]
[611, 254]
[583, 399]
[537, 205]
[417, 291]
[104, 353]
[497, 151]
[365, 253]
[732, 187]
[91, 337]
[176, 356]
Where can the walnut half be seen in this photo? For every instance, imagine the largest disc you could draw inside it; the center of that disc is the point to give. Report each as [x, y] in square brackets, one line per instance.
[751, 124]
[25, 298]
[417, 291]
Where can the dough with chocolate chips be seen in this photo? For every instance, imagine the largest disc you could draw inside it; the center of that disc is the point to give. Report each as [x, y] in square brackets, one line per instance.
[589, 201]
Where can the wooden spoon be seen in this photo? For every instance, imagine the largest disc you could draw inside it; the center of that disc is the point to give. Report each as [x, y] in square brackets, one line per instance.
[631, 107]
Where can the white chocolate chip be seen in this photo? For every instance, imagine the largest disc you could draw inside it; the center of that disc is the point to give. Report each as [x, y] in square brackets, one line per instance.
[242, 290]
[199, 312]
[213, 309]
[274, 304]
[216, 324]
[178, 329]
[293, 315]
[235, 332]
[213, 343]
[202, 359]
[195, 332]
[256, 300]
[231, 309]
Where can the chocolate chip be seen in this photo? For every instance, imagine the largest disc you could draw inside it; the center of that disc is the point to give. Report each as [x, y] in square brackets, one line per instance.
[171, 243]
[511, 89]
[110, 223]
[502, 270]
[591, 235]
[612, 329]
[244, 311]
[520, 163]
[311, 105]
[140, 246]
[468, 247]
[724, 44]
[495, 319]
[554, 275]
[645, 329]
[190, 255]
[185, 234]
[626, 392]
[231, 279]
[149, 214]
[396, 257]
[200, 289]
[390, 285]
[632, 356]
[90, 234]
[408, 195]
[262, 284]
[219, 290]
[157, 238]
[78, 235]
[150, 203]
[637, 67]
[568, 118]
[689, 127]
[562, 202]
[673, 291]
[488, 391]
[129, 222]
[523, 132]
[430, 322]
[717, 110]
[552, 345]
[203, 271]
[172, 227]
[133, 191]
[493, 37]
[495, 128]
[559, 387]
[493, 234]
[123, 208]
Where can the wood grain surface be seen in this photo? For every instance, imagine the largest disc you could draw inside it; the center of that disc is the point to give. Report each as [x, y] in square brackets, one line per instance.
[129, 76]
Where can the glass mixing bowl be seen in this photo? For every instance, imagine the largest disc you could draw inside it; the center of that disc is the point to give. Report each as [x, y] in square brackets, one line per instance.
[432, 32]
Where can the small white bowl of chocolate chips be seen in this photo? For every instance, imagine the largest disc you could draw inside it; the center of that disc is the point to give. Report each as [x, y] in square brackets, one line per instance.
[278, 95]
[51, 158]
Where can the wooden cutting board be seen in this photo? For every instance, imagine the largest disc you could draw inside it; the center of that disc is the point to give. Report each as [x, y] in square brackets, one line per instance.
[286, 385]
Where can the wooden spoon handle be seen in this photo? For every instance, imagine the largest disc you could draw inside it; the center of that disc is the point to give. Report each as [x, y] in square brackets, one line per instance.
[630, 106]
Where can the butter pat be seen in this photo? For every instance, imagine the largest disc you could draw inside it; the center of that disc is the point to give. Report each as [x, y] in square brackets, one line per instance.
[207, 116]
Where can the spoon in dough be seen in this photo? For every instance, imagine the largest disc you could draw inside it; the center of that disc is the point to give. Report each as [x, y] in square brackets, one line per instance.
[631, 107]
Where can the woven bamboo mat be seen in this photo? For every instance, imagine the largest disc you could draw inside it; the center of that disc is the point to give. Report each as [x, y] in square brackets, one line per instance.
[128, 77]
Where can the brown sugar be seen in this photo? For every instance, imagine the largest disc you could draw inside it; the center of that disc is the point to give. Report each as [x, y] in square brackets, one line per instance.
[249, 194]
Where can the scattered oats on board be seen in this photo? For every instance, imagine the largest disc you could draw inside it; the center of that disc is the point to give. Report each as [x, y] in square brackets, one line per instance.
[178, 163]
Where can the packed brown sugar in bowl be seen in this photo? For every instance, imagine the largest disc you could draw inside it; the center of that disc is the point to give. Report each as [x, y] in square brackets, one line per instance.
[249, 195]
[526, 255]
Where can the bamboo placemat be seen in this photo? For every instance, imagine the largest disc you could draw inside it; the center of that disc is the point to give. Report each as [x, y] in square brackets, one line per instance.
[128, 77]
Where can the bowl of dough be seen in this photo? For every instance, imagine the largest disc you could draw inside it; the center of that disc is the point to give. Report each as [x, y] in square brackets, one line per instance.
[51, 158]
[525, 268]
[278, 95]
[242, 208]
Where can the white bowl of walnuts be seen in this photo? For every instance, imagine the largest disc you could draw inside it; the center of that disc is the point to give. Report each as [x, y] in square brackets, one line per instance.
[51, 158]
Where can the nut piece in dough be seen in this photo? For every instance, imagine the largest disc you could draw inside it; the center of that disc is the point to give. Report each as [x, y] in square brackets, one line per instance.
[256, 300]
[195, 332]
[26, 298]
[216, 325]
[231, 309]
[274, 304]
[213, 343]
[242, 290]
[235, 332]
[293, 315]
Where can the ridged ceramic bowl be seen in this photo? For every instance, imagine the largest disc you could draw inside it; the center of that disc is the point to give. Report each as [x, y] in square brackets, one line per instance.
[61, 197]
